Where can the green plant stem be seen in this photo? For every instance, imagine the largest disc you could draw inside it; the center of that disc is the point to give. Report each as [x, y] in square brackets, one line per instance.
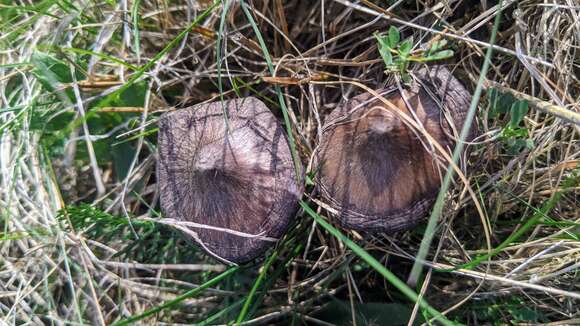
[136, 34]
[100, 55]
[275, 275]
[262, 277]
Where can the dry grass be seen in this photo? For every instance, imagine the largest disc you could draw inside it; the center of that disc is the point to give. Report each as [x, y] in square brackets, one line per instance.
[62, 145]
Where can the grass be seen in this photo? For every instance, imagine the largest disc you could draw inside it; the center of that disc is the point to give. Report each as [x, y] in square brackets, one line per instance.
[172, 303]
[457, 151]
[78, 241]
[281, 98]
[388, 275]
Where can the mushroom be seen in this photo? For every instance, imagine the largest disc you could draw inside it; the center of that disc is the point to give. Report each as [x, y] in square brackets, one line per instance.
[376, 172]
[232, 189]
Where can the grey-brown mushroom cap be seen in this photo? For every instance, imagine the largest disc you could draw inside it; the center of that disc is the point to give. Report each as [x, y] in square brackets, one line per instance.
[373, 169]
[238, 190]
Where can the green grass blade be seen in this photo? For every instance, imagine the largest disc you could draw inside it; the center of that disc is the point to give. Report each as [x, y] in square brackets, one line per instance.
[438, 207]
[519, 232]
[539, 214]
[255, 287]
[276, 87]
[136, 33]
[167, 48]
[211, 319]
[171, 303]
[62, 245]
[102, 56]
[15, 65]
[364, 255]
[218, 51]
[248, 309]
[142, 70]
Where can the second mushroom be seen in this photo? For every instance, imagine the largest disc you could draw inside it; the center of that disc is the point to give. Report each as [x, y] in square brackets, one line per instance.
[379, 174]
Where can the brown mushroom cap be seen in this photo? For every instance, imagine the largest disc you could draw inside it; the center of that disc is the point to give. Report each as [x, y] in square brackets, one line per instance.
[373, 169]
[237, 190]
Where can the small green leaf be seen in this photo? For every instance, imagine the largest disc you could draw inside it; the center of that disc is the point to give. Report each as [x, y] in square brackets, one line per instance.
[524, 313]
[515, 146]
[515, 139]
[437, 45]
[394, 37]
[53, 74]
[499, 103]
[405, 47]
[518, 111]
[384, 49]
[514, 132]
[441, 55]
[122, 157]
[401, 64]
[529, 143]
[49, 69]
[387, 57]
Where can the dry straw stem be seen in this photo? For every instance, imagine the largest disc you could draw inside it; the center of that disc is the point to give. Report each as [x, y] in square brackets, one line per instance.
[543, 106]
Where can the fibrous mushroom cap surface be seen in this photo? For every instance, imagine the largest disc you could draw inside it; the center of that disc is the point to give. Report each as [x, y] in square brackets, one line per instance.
[379, 173]
[239, 186]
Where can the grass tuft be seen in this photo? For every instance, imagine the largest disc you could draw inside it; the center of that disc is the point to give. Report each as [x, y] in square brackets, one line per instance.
[82, 85]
